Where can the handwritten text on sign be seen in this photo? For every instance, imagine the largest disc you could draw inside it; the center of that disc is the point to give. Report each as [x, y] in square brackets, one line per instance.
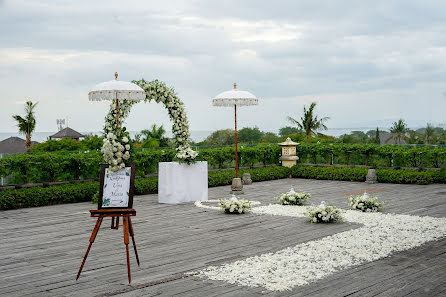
[116, 188]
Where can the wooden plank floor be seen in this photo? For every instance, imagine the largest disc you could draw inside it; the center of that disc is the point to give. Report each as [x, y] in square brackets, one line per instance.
[42, 248]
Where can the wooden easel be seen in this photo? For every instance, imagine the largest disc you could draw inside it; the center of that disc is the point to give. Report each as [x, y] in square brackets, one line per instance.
[115, 214]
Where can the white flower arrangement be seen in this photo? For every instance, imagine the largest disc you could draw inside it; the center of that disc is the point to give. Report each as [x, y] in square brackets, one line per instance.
[293, 198]
[117, 140]
[324, 214]
[199, 203]
[235, 205]
[365, 203]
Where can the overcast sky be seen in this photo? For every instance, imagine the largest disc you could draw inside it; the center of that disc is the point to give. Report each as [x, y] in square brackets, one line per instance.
[366, 63]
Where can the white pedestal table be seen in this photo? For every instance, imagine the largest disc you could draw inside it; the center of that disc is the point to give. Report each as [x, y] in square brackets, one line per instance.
[179, 182]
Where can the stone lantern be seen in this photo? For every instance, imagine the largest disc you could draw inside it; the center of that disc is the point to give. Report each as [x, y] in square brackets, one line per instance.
[289, 157]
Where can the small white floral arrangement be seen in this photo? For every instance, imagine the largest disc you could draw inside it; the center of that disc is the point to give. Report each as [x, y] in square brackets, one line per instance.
[324, 214]
[365, 203]
[186, 154]
[294, 198]
[235, 205]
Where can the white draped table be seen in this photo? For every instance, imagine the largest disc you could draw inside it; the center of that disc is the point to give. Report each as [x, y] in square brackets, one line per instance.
[178, 182]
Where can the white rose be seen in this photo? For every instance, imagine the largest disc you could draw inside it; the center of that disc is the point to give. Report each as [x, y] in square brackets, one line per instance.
[125, 139]
[127, 146]
[314, 220]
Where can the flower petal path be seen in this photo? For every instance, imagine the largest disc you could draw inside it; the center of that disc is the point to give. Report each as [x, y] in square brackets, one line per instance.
[380, 236]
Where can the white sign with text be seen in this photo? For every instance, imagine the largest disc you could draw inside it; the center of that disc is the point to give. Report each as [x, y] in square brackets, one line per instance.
[116, 188]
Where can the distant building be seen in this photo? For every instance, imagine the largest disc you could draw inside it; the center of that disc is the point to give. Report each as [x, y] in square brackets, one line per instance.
[67, 133]
[389, 138]
[13, 145]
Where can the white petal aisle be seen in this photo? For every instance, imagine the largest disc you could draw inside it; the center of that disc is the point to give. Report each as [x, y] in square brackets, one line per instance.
[380, 236]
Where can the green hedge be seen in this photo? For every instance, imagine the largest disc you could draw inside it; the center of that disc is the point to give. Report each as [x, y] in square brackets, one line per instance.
[397, 176]
[62, 166]
[37, 196]
[373, 155]
[330, 173]
[30, 197]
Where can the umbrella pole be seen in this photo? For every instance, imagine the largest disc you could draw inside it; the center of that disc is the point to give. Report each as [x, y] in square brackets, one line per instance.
[236, 155]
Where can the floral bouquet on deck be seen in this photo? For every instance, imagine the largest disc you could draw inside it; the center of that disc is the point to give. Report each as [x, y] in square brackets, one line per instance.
[365, 203]
[293, 198]
[235, 205]
[324, 214]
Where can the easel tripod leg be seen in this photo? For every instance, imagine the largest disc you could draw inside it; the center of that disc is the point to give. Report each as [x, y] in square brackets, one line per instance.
[132, 234]
[125, 224]
[92, 238]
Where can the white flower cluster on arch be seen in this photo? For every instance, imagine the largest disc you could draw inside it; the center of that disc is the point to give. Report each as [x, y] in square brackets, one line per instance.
[117, 139]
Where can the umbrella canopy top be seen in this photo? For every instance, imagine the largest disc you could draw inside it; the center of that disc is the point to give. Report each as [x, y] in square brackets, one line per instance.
[116, 89]
[235, 97]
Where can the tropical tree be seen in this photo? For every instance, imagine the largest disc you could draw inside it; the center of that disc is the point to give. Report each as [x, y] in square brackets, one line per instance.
[156, 133]
[220, 137]
[399, 130]
[27, 124]
[288, 130]
[429, 132]
[310, 122]
[249, 135]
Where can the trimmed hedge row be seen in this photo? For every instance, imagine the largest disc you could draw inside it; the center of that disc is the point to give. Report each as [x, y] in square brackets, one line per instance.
[397, 176]
[54, 166]
[80, 192]
[51, 167]
[330, 173]
[31, 197]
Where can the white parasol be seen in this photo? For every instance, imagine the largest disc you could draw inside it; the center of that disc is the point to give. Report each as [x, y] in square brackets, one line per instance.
[116, 90]
[235, 97]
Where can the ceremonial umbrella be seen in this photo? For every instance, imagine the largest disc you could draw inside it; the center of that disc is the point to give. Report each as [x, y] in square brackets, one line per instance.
[116, 90]
[235, 97]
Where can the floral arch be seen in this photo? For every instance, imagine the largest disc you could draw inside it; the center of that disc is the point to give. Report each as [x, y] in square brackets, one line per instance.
[117, 147]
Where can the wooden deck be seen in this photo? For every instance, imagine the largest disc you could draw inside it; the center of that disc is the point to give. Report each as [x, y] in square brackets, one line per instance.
[42, 248]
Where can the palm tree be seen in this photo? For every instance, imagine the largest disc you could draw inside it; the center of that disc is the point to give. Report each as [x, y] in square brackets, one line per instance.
[156, 133]
[429, 133]
[310, 123]
[399, 130]
[27, 124]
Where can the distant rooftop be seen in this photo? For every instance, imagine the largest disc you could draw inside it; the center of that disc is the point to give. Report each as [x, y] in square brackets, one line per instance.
[13, 145]
[389, 138]
[67, 133]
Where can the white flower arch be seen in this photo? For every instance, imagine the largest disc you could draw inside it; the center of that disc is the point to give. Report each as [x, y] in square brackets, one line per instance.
[116, 148]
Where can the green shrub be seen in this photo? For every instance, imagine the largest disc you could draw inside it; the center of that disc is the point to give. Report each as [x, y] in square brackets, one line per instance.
[401, 176]
[330, 173]
[31, 197]
[148, 185]
[69, 193]
[408, 176]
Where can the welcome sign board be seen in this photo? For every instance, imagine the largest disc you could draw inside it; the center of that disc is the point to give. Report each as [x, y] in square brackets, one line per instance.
[116, 190]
